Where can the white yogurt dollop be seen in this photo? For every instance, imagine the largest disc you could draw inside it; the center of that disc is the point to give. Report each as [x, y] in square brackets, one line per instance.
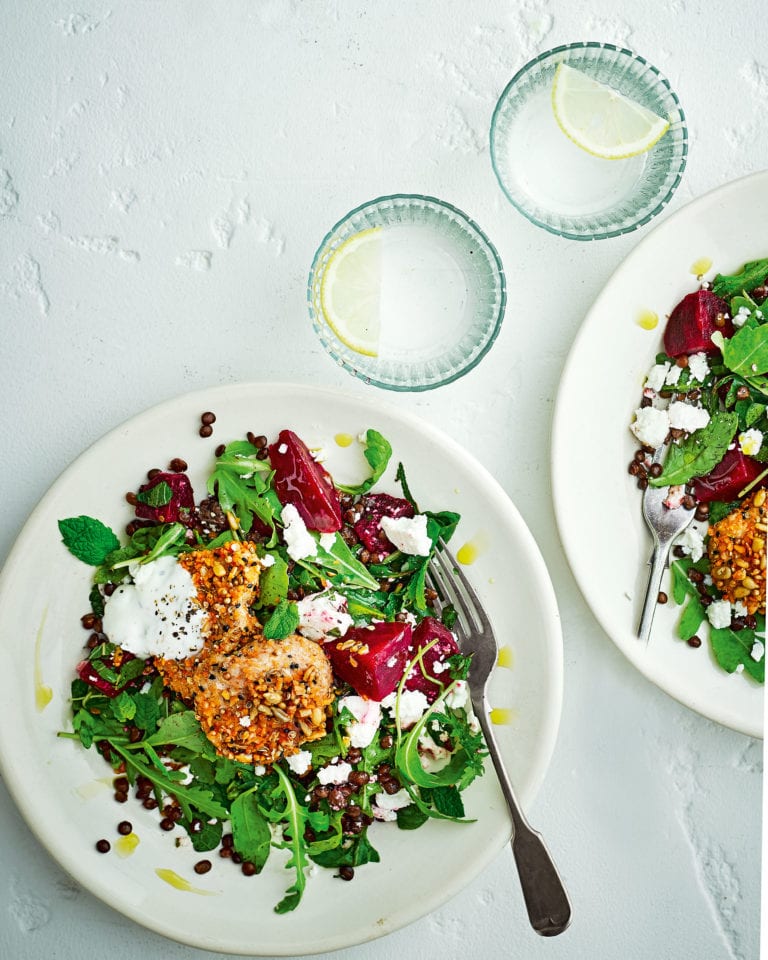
[157, 614]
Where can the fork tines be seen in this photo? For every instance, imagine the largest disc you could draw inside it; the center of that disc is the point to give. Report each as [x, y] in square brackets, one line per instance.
[453, 587]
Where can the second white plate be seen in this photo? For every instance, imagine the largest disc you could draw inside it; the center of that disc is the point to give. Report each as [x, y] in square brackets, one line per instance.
[596, 502]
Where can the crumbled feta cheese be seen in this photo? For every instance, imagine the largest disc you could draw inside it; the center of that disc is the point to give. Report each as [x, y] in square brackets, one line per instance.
[740, 609]
[739, 668]
[385, 805]
[322, 615]
[244, 721]
[674, 496]
[433, 756]
[412, 706]
[741, 317]
[673, 376]
[408, 534]
[327, 541]
[692, 543]
[684, 416]
[298, 540]
[750, 442]
[393, 801]
[651, 426]
[656, 376]
[719, 614]
[259, 769]
[268, 560]
[367, 714]
[757, 651]
[699, 367]
[158, 614]
[458, 697]
[299, 762]
[335, 773]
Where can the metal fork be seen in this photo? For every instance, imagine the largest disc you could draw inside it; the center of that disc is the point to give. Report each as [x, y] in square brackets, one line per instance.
[665, 525]
[547, 903]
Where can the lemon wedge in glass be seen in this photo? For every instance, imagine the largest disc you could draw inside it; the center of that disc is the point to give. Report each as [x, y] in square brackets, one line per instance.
[350, 291]
[600, 120]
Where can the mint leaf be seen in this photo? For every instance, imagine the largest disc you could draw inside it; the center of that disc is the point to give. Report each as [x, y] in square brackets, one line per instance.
[377, 452]
[96, 600]
[157, 496]
[87, 539]
[250, 831]
[411, 817]
[700, 452]
[751, 275]
[446, 800]
[123, 707]
[283, 622]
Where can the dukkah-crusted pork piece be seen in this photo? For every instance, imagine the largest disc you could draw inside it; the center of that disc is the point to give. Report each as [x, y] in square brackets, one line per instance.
[256, 699]
[227, 580]
[737, 553]
[263, 699]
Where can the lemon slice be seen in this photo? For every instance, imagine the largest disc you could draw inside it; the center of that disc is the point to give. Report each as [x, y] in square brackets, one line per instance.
[350, 291]
[600, 120]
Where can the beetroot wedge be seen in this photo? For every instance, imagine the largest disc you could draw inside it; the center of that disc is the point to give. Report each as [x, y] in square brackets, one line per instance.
[692, 323]
[375, 506]
[729, 477]
[302, 481]
[372, 659]
[431, 675]
[180, 506]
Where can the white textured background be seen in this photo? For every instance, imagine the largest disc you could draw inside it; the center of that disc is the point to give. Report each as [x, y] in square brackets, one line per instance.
[167, 170]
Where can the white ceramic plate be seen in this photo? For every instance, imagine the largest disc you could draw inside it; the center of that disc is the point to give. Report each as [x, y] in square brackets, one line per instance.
[597, 503]
[64, 791]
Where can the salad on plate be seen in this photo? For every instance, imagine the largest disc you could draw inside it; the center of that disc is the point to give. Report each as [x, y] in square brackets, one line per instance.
[264, 667]
[706, 399]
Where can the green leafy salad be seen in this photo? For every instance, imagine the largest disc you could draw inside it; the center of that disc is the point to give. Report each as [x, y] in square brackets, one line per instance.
[266, 667]
[706, 397]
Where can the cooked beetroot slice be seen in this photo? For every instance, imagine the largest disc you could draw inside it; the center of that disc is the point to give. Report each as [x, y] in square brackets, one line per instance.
[692, 323]
[86, 670]
[729, 477]
[376, 506]
[302, 481]
[419, 678]
[179, 508]
[372, 659]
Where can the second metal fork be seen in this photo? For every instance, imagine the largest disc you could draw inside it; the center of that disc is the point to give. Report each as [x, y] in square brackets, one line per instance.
[546, 900]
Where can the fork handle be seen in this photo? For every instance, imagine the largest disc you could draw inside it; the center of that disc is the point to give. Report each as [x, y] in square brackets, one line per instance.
[546, 899]
[658, 563]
